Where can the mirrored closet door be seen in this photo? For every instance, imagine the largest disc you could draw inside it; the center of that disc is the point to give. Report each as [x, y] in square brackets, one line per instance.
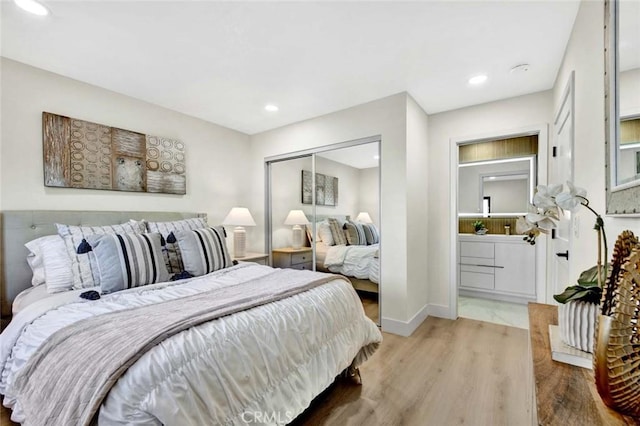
[323, 213]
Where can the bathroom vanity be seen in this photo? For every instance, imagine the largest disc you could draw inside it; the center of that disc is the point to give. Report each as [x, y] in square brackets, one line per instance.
[494, 266]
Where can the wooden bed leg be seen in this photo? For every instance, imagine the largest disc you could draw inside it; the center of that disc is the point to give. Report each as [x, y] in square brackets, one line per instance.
[352, 374]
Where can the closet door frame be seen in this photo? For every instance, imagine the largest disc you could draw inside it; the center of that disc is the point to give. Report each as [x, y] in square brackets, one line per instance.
[311, 152]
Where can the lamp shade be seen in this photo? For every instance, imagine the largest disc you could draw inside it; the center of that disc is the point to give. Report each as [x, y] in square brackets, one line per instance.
[296, 217]
[239, 216]
[364, 217]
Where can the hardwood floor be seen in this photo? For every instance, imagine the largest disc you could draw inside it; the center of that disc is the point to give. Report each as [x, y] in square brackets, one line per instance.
[370, 304]
[5, 416]
[446, 373]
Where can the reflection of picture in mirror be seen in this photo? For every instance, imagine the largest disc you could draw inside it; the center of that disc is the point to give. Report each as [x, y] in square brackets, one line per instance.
[638, 162]
[326, 189]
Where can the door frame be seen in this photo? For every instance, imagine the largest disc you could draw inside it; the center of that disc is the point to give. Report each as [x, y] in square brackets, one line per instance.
[542, 130]
[568, 98]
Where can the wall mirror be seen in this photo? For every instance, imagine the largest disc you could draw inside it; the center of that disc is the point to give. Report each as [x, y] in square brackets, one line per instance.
[496, 187]
[622, 97]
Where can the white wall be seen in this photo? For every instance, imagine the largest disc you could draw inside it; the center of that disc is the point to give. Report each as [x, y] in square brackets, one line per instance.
[369, 195]
[418, 221]
[495, 118]
[215, 183]
[385, 117]
[584, 54]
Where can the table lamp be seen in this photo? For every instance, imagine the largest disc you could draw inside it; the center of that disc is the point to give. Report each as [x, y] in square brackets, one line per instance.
[239, 217]
[364, 217]
[296, 218]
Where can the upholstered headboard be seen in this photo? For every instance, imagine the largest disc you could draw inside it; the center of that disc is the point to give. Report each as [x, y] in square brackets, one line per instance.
[319, 218]
[21, 226]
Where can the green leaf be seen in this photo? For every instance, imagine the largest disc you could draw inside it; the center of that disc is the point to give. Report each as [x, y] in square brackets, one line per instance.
[589, 294]
[589, 278]
[566, 294]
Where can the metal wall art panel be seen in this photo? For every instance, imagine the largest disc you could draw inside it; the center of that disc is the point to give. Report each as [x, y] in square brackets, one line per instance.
[81, 154]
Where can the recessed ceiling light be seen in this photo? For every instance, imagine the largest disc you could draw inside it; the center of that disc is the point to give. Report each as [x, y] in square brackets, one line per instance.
[32, 6]
[478, 79]
[376, 157]
[271, 108]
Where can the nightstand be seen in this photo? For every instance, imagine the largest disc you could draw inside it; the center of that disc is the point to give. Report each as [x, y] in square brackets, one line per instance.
[261, 258]
[293, 258]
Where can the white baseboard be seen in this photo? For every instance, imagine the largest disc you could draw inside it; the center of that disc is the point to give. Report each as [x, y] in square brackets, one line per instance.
[440, 311]
[405, 328]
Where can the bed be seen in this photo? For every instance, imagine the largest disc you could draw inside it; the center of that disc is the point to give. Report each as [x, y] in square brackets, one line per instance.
[229, 346]
[359, 262]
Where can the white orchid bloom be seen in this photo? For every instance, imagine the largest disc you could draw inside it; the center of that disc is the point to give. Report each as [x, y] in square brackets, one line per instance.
[545, 223]
[522, 226]
[572, 199]
[544, 197]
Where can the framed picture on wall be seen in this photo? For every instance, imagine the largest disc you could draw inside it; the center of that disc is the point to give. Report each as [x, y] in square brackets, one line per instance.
[87, 155]
[326, 189]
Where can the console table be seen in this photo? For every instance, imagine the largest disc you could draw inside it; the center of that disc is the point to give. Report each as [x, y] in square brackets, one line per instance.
[564, 395]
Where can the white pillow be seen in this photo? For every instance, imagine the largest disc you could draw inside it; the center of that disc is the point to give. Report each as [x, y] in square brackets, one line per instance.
[81, 266]
[57, 265]
[172, 256]
[324, 233]
[35, 259]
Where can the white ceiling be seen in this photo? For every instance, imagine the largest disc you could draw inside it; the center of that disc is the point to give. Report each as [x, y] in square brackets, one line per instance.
[360, 156]
[223, 61]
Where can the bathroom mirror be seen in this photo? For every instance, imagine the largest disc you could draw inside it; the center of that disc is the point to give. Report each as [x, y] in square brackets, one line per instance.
[622, 97]
[496, 187]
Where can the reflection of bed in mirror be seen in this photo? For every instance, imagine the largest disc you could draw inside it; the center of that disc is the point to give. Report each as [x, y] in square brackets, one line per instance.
[360, 263]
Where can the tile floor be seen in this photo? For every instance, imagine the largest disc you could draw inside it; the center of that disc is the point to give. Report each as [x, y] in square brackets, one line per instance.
[497, 312]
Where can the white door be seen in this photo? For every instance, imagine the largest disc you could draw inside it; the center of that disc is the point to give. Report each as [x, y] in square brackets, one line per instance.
[561, 171]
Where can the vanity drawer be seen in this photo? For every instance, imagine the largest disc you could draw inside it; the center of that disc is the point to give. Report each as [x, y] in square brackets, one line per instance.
[473, 249]
[477, 261]
[476, 280]
[297, 258]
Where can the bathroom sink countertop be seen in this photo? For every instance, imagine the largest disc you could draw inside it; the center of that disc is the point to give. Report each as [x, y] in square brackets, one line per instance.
[491, 236]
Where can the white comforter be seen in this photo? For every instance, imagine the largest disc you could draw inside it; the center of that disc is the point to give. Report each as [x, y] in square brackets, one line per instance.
[354, 261]
[263, 365]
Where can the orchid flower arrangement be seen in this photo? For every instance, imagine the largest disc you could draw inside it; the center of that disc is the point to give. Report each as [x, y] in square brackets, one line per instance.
[549, 203]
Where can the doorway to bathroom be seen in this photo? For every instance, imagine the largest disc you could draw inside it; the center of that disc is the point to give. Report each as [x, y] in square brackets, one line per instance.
[496, 272]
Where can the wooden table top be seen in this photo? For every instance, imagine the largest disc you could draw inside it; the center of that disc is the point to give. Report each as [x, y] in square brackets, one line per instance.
[565, 394]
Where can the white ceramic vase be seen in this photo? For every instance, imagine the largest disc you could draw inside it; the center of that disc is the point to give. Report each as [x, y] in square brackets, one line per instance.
[577, 321]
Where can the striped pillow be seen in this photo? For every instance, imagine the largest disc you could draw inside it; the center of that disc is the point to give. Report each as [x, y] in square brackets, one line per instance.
[83, 271]
[371, 233]
[355, 234]
[171, 251]
[203, 250]
[336, 232]
[128, 260]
